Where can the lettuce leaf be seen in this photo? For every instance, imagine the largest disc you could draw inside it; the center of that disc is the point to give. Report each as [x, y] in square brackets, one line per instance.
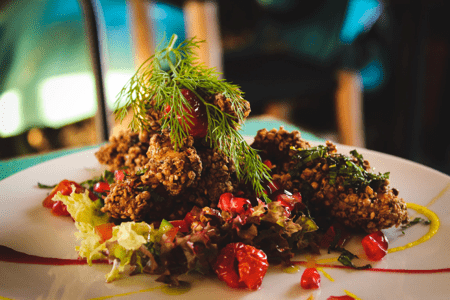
[82, 208]
[131, 235]
[90, 247]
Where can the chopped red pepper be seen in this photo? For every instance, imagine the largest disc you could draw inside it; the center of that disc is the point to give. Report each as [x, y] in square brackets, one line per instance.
[310, 279]
[251, 265]
[346, 297]
[375, 245]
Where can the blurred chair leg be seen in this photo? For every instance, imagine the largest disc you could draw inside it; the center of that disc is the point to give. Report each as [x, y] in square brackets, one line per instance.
[349, 109]
[202, 22]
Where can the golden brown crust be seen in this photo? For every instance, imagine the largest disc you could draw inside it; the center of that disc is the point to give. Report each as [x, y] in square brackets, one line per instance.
[174, 169]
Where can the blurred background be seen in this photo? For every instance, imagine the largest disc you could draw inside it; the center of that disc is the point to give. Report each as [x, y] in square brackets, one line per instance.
[368, 73]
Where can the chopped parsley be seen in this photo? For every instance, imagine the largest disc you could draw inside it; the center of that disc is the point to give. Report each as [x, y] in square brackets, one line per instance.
[353, 173]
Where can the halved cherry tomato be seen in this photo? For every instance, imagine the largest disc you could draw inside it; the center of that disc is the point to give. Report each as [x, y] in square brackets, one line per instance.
[310, 279]
[104, 231]
[241, 266]
[375, 245]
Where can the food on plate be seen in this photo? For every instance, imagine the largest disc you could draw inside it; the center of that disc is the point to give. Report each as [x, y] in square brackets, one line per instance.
[184, 191]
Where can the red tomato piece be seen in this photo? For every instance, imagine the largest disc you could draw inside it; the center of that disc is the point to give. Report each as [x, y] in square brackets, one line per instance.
[101, 187]
[181, 225]
[59, 209]
[170, 234]
[251, 264]
[346, 297]
[198, 119]
[225, 202]
[375, 245]
[119, 175]
[268, 163]
[104, 231]
[241, 206]
[310, 279]
[237, 205]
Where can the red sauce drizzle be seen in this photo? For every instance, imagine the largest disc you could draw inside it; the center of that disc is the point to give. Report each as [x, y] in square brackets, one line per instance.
[404, 271]
[10, 255]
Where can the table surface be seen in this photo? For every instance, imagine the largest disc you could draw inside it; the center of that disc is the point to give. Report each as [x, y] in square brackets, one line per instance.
[12, 166]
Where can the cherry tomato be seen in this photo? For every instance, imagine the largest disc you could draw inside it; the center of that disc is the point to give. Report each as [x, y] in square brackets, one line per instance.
[101, 187]
[251, 265]
[310, 279]
[375, 245]
[198, 119]
[104, 231]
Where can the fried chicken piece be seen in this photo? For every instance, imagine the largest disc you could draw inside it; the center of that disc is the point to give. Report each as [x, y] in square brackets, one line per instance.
[127, 150]
[217, 178]
[367, 209]
[275, 145]
[128, 200]
[174, 169]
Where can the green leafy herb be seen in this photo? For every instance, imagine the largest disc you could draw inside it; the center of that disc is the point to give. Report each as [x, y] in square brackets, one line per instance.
[346, 259]
[164, 87]
[416, 220]
[44, 186]
[354, 174]
[107, 176]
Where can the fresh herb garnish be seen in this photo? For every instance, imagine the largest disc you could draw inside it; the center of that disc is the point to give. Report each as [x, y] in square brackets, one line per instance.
[354, 174]
[416, 220]
[107, 176]
[346, 259]
[163, 86]
[44, 186]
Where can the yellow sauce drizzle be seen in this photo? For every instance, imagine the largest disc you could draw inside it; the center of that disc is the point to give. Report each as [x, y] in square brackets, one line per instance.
[129, 293]
[4, 298]
[325, 274]
[292, 269]
[434, 226]
[327, 260]
[438, 195]
[352, 295]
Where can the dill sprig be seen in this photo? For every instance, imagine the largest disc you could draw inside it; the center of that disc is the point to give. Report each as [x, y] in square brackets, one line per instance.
[160, 80]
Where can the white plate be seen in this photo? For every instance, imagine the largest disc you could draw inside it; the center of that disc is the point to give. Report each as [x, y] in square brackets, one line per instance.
[28, 227]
